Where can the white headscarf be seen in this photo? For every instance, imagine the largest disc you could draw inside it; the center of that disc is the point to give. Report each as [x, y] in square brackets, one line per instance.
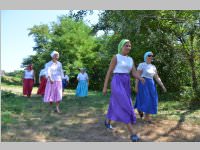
[53, 53]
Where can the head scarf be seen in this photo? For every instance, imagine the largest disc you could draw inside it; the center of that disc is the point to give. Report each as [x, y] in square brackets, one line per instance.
[53, 53]
[146, 54]
[121, 44]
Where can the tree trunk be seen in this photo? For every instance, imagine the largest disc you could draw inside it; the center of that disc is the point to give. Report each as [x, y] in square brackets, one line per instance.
[192, 65]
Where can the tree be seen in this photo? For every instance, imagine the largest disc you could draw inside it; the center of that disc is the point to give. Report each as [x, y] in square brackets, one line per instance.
[71, 38]
[171, 35]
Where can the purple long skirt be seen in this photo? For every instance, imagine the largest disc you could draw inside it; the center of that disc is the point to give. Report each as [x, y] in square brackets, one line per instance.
[120, 107]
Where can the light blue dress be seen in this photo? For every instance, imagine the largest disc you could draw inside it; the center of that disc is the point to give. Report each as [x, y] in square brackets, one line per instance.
[82, 87]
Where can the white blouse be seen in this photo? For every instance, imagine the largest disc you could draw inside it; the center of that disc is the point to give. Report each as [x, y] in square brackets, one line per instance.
[42, 73]
[54, 70]
[124, 64]
[148, 70]
[66, 77]
[29, 74]
[82, 76]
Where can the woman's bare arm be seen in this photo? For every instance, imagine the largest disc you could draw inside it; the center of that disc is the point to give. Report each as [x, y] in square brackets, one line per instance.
[108, 74]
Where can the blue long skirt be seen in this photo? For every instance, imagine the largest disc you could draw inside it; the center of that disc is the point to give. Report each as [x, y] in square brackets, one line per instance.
[82, 88]
[147, 97]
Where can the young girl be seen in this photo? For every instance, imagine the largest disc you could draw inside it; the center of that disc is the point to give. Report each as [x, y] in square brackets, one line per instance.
[28, 80]
[53, 90]
[83, 82]
[120, 106]
[147, 97]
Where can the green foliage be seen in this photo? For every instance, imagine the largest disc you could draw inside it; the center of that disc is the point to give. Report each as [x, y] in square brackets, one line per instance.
[71, 38]
[13, 80]
[172, 35]
[187, 93]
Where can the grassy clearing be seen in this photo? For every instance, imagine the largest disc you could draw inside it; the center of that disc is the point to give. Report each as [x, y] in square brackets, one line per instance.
[26, 119]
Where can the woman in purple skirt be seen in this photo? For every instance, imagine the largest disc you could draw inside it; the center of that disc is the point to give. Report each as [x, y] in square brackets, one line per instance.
[147, 97]
[53, 90]
[120, 106]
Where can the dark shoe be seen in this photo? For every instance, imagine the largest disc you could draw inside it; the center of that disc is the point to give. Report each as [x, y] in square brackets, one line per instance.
[108, 126]
[141, 114]
[134, 138]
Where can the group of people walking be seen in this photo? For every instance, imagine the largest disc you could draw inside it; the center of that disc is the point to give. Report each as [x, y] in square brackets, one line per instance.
[53, 81]
[121, 68]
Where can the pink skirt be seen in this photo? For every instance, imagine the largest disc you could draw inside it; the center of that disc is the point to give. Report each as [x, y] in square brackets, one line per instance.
[53, 92]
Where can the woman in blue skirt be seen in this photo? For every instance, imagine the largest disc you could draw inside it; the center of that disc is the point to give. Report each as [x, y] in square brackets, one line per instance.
[83, 82]
[120, 107]
[147, 97]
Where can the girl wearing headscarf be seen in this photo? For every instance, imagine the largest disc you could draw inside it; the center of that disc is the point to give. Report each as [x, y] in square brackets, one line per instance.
[28, 80]
[120, 107]
[42, 81]
[53, 90]
[83, 82]
[147, 97]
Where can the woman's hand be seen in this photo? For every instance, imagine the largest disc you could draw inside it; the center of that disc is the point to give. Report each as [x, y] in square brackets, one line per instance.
[104, 91]
[142, 80]
[164, 89]
[51, 81]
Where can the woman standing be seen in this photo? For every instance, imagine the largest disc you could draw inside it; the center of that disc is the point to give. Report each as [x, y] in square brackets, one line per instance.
[53, 90]
[42, 81]
[120, 106]
[65, 81]
[83, 82]
[147, 97]
[28, 80]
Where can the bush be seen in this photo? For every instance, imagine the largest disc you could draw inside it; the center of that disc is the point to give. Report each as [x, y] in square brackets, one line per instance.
[187, 92]
[11, 80]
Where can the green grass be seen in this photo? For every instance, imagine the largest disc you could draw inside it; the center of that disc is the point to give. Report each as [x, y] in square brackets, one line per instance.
[14, 103]
[19, 113]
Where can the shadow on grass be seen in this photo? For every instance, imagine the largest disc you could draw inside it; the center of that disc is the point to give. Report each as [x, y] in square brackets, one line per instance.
[191, 107]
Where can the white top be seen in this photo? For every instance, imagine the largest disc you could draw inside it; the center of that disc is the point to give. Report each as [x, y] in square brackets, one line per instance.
[66, 77]
[124, 64]
[54, 70]
[82, 76]
[42, 73]
[148, 70]
[29, 74]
